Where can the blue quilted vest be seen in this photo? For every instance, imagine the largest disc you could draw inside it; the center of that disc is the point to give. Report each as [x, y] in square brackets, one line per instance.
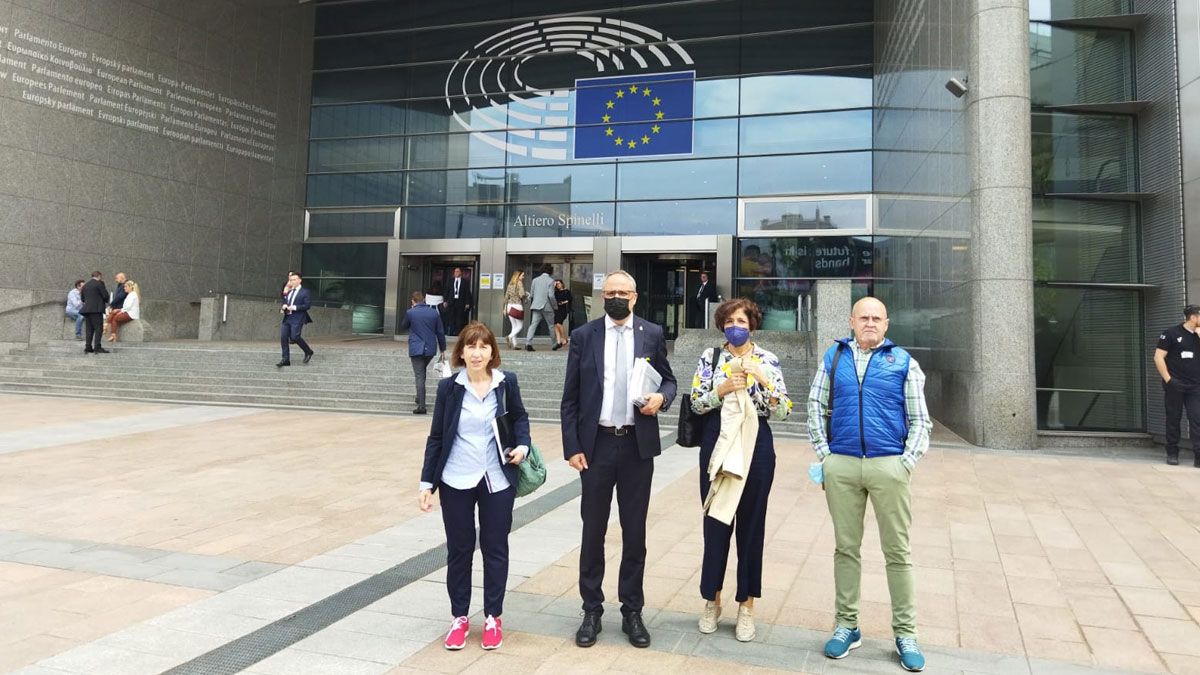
[868, 420]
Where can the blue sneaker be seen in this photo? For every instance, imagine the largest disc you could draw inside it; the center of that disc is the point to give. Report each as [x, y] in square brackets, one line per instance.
[911, 658]
[843, 640]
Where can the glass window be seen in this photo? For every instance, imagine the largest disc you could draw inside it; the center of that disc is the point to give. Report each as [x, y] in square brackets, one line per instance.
[716, 98]
[697, 20]
[452, 151]
[800, 92]
[351, 224]
[344, 260]
[470, 186]
[355, 189]
[359, 17]
[814, 49]
[359, 85]
[818, 214]
[760, 16]
[454, 222]
[696, 216]
[1085, 241]
[710, 138]
[782, 257]
[356, 154]
[803, 174]
[1045, 10]
[364, 297]
[1083, 153]
[361, 119]
[678, 179]
[1068, 65]
[1089, 354]
[579, 219]
[584, 182]
[811, 132]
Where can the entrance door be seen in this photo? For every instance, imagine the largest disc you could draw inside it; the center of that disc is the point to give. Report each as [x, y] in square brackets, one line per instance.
[667, 286]
[575, 271]
[434, 276]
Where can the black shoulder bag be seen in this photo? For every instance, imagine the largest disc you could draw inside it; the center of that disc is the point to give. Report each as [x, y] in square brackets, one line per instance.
[690, 424]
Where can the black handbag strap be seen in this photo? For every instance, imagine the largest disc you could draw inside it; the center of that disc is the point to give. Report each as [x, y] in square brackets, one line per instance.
[829, 406]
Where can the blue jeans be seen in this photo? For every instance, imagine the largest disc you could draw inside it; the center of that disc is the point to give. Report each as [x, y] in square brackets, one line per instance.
[72, 314]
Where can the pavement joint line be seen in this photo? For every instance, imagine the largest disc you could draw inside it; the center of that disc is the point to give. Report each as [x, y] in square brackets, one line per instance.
[113, 427]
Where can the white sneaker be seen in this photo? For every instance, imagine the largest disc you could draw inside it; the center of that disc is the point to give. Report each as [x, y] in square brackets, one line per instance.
[745, 625]
[708, 617]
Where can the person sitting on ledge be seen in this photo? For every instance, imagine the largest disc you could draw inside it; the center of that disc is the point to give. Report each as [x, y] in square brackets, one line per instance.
[131, 310]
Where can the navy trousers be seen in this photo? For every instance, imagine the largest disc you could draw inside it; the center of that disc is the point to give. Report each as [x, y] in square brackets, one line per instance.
[750, 522]
[495, 522]
[615, 463]
[289, 331]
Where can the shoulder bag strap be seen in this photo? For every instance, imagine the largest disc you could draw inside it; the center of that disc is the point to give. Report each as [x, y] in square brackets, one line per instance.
[829, 405]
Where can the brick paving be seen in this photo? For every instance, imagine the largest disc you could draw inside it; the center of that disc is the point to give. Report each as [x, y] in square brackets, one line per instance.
[1025, 562]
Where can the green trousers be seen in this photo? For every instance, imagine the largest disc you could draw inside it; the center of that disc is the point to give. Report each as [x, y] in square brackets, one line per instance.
[849, 483]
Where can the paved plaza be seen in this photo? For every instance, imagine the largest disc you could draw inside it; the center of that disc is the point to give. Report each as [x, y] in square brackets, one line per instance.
[143, 538]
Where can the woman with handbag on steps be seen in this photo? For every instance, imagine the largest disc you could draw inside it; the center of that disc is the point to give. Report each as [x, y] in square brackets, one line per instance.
[474, 465]
[514, 306]
[736, 390]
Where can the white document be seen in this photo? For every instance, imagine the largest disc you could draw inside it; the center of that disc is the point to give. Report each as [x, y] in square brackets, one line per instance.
[644, 380]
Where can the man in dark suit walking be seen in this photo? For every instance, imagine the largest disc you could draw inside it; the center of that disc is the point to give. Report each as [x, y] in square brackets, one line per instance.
[612, 445]
[295, 308]
[706, 293]
[95, 301]
[425, 338]
[458, 301]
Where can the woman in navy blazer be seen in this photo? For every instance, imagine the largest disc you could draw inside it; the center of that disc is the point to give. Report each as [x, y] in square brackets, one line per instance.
[480, 433]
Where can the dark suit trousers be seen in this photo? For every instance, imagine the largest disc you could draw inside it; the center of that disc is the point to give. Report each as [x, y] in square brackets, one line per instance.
[495, 522]
[615, 463]
[289, 331]
[95, 330]
[1177, 398]
[420, 366]
[749, 523]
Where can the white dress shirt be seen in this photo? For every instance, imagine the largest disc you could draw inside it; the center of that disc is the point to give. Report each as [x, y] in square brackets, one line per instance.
[457, 285]
[610, 362]
[474, 451]
[132, 306]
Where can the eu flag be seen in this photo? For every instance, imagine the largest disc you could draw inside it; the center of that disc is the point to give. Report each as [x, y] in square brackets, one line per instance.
[634, 115]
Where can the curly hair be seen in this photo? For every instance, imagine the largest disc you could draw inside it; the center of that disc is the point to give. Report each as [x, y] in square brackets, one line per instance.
[472, 333]
[731, 306]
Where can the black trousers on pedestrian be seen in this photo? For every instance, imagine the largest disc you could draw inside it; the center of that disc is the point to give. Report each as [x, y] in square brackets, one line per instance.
[95, 331]
[615, 463]
[495, 522]
[1179, 397]
[420, 366]
[749, 524]
[289, 331]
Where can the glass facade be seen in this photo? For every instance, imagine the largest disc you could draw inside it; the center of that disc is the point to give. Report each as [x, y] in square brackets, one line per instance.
[1086, 247]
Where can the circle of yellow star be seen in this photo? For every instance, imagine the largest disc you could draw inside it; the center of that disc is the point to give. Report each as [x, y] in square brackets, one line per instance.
[608, 131]
[620, 140]
[645, 140]
[620, 93]
[658, 115]
[633, 88]
[656, 100]
[646, 91]
[606, 119]
[655, 128]
[632, 144]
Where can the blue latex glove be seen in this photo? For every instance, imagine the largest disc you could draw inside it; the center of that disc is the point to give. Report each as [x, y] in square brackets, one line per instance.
[816, 472]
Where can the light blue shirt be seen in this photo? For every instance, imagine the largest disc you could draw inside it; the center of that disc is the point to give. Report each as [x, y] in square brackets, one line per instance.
[74, 301]
[475, 455]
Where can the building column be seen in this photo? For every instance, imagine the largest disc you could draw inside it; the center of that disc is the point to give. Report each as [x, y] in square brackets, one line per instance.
[998, 113]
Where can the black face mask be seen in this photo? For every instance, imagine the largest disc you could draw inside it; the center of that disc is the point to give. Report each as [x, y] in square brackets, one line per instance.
[617, 308]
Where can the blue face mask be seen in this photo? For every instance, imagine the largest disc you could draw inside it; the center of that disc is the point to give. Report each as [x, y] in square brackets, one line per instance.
[737, 335]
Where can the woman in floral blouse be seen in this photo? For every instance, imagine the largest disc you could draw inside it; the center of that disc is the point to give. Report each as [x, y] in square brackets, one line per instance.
[762, 378]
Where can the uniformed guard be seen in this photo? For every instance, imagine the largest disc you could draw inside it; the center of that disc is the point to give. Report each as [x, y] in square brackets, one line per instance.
[1178, 361]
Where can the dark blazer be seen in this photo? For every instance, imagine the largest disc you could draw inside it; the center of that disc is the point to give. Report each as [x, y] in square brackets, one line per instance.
[583, 390]
[94, 296]
[118, 297]
[709, 293]
[426, 335]
[447, 409]
[303, 303]
[465, 297]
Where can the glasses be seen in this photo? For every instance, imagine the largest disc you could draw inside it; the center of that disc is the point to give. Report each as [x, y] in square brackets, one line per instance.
[624, 295]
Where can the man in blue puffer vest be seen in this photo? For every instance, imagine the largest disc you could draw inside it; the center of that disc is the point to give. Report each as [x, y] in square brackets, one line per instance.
[877, 431]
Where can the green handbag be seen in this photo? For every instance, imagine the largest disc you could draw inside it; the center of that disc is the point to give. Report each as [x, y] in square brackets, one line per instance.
[531, 472]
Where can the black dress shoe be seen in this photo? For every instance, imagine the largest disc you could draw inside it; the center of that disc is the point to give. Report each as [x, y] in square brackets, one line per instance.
[528, 348]
[420, 411]
[588, 630]
[1173, 460]
[556, 347]
[102, 350]
[308, 357]
[88, 351]
[632, 626]
[283, 363]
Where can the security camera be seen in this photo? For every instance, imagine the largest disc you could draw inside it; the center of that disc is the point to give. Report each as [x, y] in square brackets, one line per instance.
[957, 87]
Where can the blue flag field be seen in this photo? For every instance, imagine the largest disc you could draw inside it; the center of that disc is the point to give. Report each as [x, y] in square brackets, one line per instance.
[634, 115]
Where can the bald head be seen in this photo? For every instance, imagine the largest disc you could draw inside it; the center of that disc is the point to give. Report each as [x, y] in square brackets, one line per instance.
[869, 322]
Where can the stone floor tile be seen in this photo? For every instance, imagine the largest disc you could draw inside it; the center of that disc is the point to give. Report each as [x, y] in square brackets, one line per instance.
[1130, 574]
[1101, 612]
[292, 661]
[1181, 664]
[1057, 650]
[152, 639]
[1152, 602]
[1036, 591]
[1172, 636]
[1054, 623]
[1122, 649]
[29, 650]
[95, 659]
[1036, 566]
[990, 633]
[354, 645]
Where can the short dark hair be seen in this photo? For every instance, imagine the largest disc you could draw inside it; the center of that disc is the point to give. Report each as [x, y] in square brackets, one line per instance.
[1190, 311]
[78, 283]
[291, 272]
[729, 307]
[470, 334]
[417, 297]
[547, 269]
[97, 274]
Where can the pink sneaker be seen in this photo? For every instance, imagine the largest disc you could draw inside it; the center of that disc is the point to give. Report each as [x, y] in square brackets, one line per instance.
[493, 636]
[457, 637]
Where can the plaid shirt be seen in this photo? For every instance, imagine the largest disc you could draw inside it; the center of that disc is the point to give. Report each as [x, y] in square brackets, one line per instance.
[919, 422]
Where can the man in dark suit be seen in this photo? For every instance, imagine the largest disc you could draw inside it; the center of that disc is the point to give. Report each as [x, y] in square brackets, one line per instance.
[706, 293]
[425, 338]
[458, 302]
[295, 308]
[613, 445]
[95, 301]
